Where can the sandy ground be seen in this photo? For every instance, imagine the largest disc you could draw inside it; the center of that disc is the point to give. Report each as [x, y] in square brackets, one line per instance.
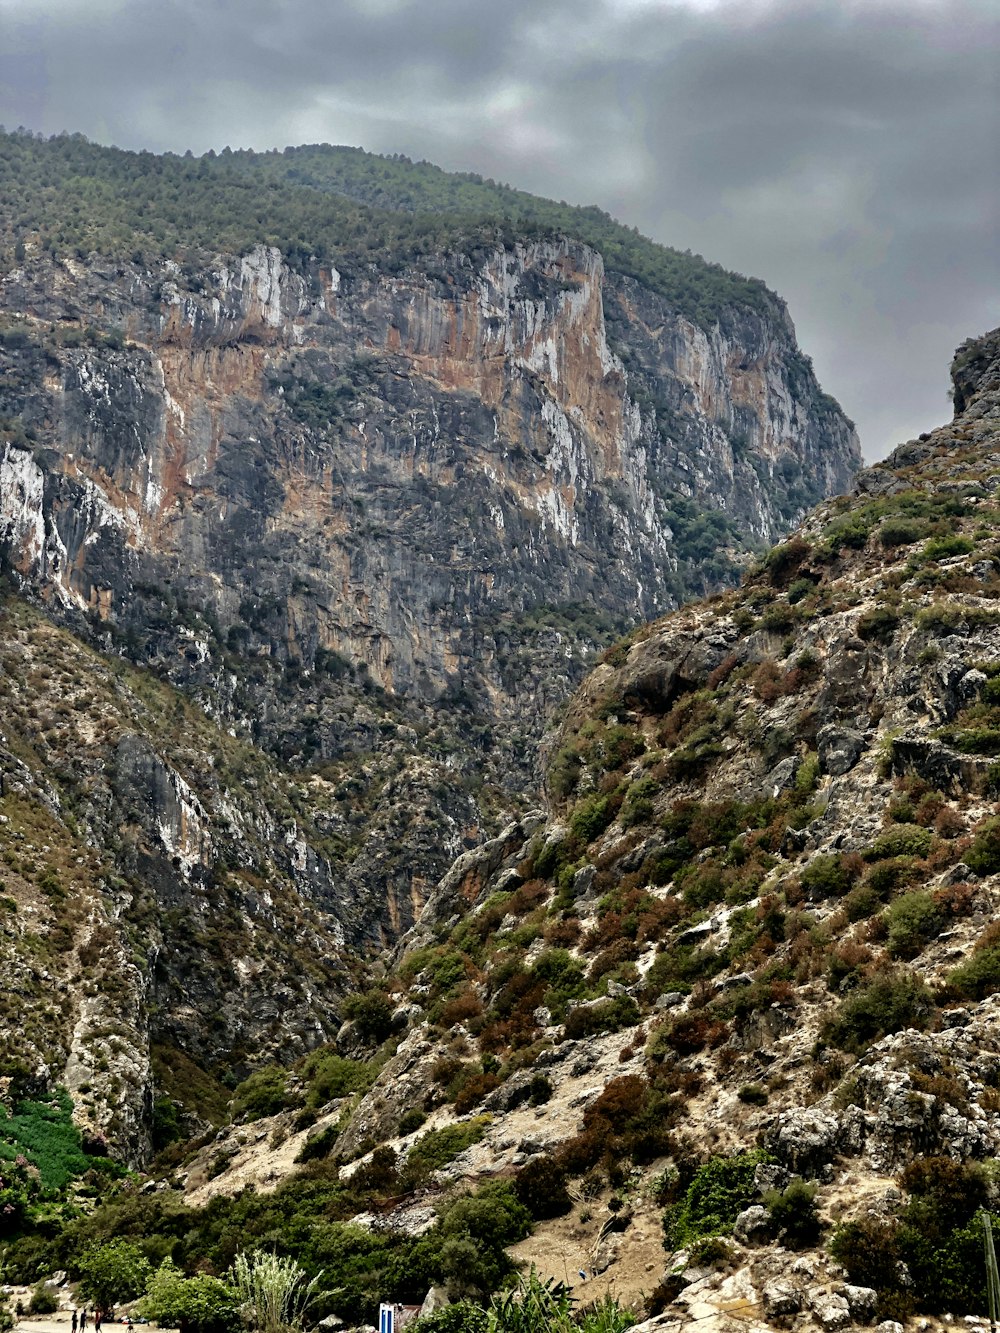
[564, 1246]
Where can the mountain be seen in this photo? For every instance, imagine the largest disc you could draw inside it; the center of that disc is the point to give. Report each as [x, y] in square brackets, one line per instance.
[323, 478]
[734, 996]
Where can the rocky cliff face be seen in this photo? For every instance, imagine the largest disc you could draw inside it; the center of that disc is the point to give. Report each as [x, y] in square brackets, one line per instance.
[373, 522]
[297, 494]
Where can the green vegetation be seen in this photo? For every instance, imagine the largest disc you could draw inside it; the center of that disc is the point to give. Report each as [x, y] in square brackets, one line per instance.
[202, 1303]
[44, 1133]
[719, 1191]
[888, 1002]
[112, 1272]
[929, 1257]
[331, 204]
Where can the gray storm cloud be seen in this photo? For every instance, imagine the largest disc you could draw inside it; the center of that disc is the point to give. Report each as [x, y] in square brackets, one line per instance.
[846, 153]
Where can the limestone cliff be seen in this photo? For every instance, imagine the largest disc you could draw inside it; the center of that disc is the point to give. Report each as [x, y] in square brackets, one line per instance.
[259, 481]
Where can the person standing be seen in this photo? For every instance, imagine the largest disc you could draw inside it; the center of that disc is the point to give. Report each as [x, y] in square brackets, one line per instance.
[75, 1320]
[98, 1316]
[83, 1319]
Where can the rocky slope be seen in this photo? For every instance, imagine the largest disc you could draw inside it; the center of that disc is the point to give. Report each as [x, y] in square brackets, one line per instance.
[759, 918]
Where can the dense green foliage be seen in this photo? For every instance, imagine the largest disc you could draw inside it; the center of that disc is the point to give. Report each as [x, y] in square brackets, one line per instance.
[44, 1134]
[930, 1257]
[720, 1190]
[202, 1303]
[113, 1271]
[330, 203]
[888, 1002]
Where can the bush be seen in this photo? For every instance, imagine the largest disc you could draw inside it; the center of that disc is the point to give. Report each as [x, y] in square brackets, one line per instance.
[913, 920]
[371, 1014]
[329, 1076]
[606, 1016]
[411, 1120]
[319, 1145]
[869, 1250]
[879, 624]
[590, 818]
[43, 1300]
[828, 877]
[781, 562]
[752, 1094]
[263, 1093]
[458, 1317]
[438, 1147]
[902, 531]
[979, 975]
[541, 1185]
[113, 1272]
[720, 1190]
[889, 1002]
[794, 1214]
[943, 548]
[900, 840]
[984, 855]
[201, 1304]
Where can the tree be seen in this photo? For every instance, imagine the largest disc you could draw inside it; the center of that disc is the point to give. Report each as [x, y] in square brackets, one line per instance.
[112, 1272]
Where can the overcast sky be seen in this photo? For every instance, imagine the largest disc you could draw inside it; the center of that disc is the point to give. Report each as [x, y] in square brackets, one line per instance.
[846, 153]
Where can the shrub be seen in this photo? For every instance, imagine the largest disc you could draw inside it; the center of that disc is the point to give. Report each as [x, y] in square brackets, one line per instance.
[794, 1214]
[979, 975]
[900, 840]
[720, 1190]
[781, 562]
[371, 1014]
[262, 1094]
[438, 1147]
[753, 1094]
[943, 548]
[913, 920]
[319, 1145]
[902, 531]
[590, 818]
[202, 1304]
[984, 854]
[113, 1272]
[473, 1092]
[878, 624]
[606, 1016]
[329, 1076]
[889, 1002]
[869, 1250]
[458, 1317]
[43, 1300]
[411, 1120]
[540, 1090]
[541, 1185]
[828, 877]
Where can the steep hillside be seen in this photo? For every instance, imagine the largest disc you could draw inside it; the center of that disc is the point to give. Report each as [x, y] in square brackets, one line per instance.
[743, 980]
[372, 486]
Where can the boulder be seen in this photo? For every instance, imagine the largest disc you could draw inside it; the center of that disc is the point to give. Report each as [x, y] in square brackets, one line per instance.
[436, 1299]
[861, 1301]
[752, 1226]
[832, 1311]
[780, 1298]
[839, 749]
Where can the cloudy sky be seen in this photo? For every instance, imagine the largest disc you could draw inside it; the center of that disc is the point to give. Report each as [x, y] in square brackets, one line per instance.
[847, 153]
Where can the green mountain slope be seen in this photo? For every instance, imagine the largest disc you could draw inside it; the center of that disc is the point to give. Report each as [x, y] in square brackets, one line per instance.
[317, 200]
